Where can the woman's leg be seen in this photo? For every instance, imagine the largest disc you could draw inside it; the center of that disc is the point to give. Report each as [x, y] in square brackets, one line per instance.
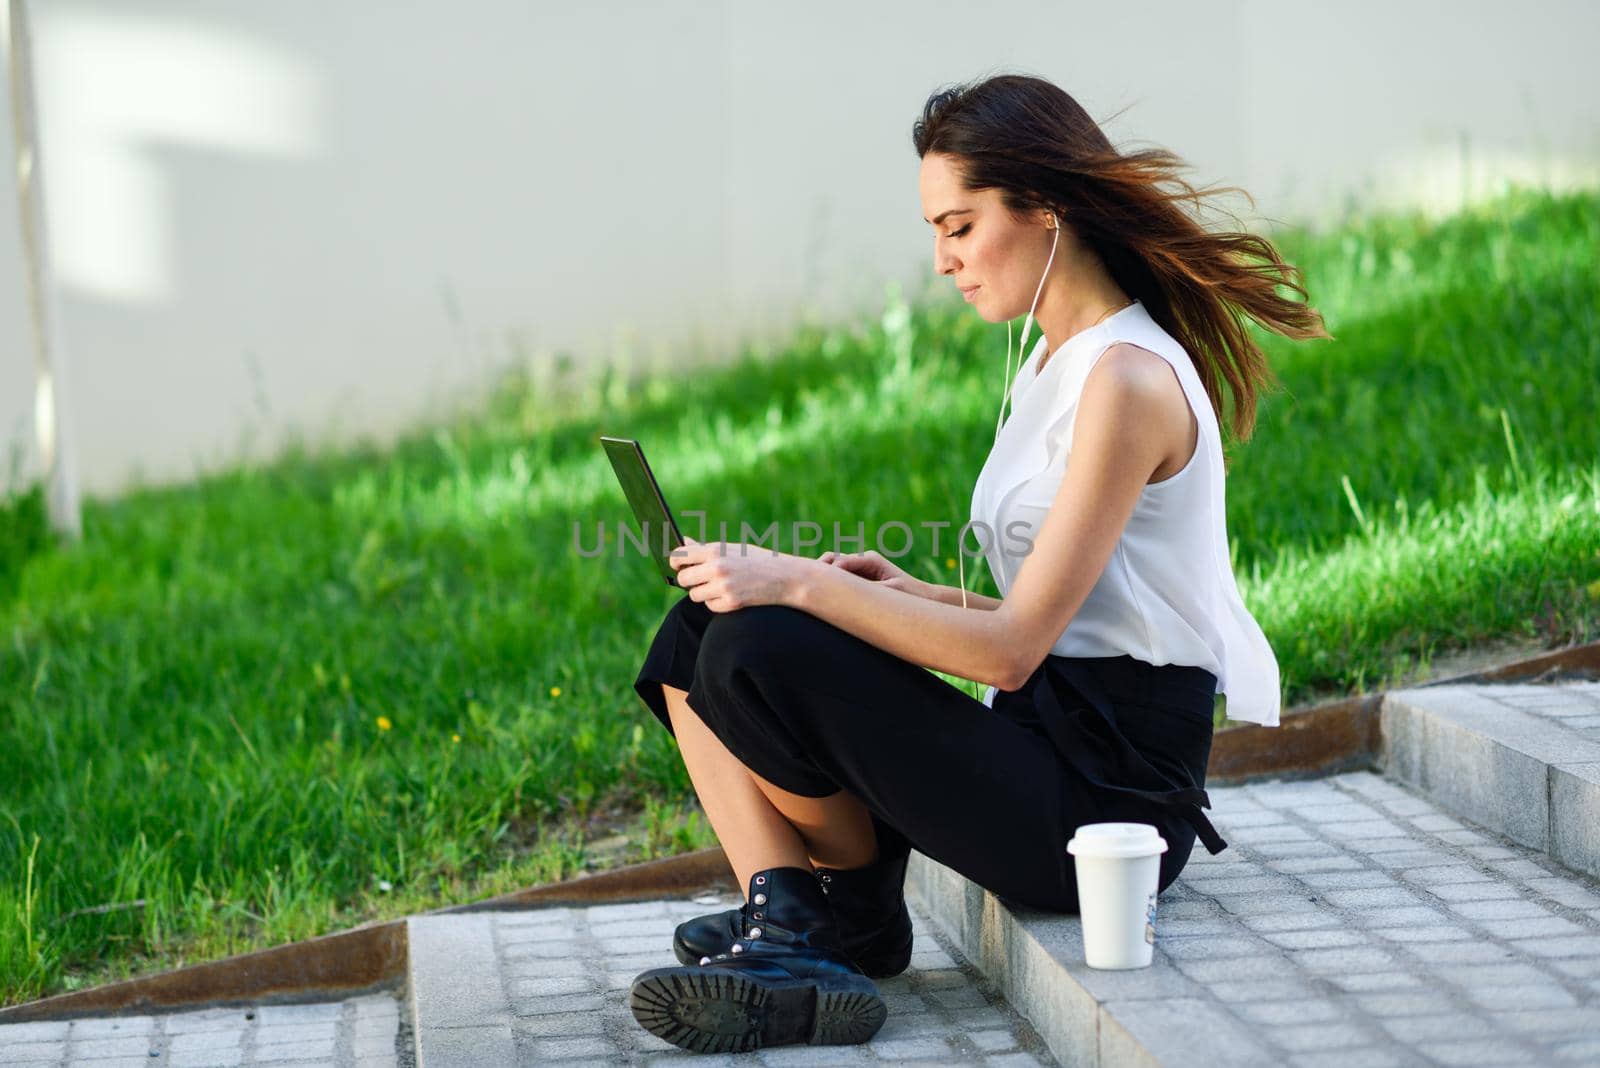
[837, 831]
[761, 825]
[815, 712]
[747, 824]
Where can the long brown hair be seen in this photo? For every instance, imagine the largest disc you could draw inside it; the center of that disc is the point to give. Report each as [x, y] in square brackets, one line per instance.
[1032, 141]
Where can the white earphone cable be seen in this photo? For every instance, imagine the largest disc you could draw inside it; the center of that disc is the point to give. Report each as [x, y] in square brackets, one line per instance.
[1005, 393]
[1005, 383]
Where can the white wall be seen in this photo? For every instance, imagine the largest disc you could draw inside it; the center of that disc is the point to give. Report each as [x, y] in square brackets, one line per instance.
[337, 217]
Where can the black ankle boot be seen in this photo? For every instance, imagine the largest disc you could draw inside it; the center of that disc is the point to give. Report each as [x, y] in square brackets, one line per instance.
[709, 935]
[785, 980]
[868, 904]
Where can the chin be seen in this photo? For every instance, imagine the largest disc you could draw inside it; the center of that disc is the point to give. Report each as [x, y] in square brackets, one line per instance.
[986, 309]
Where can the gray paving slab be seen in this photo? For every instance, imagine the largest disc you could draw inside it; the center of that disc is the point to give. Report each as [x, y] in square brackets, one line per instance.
[460, 1010]
[1522, 759]
[1265, 959]
[359, 1032]
[565, 975]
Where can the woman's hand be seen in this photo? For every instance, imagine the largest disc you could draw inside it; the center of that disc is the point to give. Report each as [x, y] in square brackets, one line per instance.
[727, 576]
[874, 566]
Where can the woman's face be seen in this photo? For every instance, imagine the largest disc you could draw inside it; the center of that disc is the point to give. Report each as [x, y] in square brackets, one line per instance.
[978, 243]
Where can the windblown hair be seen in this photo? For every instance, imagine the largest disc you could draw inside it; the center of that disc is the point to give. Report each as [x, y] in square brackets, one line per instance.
[1027, 138]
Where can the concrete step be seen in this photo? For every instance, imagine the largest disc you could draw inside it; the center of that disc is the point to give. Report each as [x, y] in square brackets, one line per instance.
[1520, 759]
[1351, 920]
[550, 986]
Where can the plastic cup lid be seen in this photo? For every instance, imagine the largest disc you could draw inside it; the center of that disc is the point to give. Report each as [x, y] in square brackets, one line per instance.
[1116, 840]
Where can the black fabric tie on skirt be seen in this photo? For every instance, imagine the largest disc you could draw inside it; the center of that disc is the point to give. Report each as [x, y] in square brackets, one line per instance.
[1073, 704]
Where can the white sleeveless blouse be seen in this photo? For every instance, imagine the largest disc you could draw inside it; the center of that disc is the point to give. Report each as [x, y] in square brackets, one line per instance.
[1167, 594]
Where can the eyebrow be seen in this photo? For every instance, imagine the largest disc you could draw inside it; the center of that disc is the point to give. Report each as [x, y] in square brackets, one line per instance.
[937, 219]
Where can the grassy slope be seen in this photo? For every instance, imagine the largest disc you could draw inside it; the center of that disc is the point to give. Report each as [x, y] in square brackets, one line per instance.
[190, 702]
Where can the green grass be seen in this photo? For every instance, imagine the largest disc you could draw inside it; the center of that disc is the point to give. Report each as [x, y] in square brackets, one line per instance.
[190, 700]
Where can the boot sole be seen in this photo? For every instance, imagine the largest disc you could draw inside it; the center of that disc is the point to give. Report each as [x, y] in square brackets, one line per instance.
[709, 1012]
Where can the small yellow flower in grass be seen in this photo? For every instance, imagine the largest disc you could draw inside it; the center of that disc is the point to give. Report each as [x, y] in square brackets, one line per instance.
[949, 562]
[555, 691]
[455, 737]
[383, 723]
[1594, 589]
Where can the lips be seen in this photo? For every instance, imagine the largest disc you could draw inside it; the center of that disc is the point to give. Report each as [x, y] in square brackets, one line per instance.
[967, 291]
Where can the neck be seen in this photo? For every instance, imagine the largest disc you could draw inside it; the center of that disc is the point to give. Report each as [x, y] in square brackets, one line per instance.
[1071, 306]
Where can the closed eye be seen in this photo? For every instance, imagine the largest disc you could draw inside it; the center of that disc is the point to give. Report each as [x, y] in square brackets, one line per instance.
[958, 233]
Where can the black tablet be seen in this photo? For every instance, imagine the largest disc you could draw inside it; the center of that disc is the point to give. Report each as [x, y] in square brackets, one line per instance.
[644, 497]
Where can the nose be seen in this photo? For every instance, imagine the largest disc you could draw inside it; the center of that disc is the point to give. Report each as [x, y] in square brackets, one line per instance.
[943, 261]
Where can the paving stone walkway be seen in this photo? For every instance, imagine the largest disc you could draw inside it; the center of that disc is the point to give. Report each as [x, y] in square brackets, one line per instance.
[567, 973]
[1354, 921]
[364, 1032]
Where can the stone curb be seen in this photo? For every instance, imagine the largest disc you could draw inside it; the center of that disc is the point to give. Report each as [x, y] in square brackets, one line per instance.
[1085, 1016]
[1504, 757]
[1344, 734]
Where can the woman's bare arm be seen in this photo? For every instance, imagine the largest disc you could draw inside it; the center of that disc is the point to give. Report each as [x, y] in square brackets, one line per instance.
[971, 645]
[1112, 459]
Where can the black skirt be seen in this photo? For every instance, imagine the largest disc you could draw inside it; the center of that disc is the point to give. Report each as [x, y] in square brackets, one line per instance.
[993, 793]
[1131, 728]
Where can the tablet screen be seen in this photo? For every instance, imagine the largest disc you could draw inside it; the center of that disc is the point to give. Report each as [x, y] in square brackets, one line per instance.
[659, 530]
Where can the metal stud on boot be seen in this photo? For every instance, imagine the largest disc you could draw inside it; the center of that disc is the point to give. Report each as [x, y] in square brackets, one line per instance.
[785, 980]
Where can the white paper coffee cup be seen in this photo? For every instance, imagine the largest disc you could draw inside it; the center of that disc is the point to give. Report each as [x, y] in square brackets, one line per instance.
[1119, 868]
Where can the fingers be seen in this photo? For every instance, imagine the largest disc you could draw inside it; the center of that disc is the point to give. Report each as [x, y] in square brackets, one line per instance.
[690, 552]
